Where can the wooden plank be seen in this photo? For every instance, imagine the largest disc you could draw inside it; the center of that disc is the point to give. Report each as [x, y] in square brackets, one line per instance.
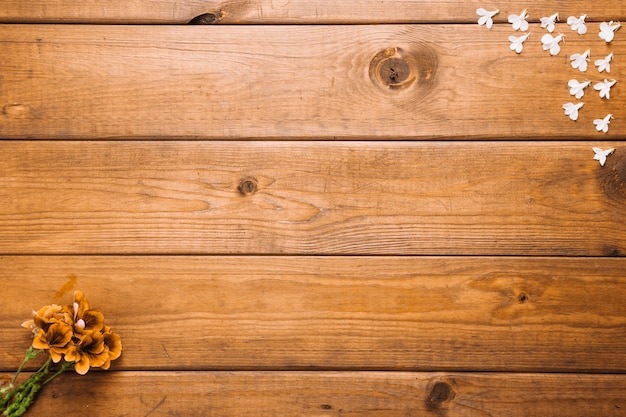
[336, 313]
[292, 11]
[438, 198]
[301, 82]
[325, 394]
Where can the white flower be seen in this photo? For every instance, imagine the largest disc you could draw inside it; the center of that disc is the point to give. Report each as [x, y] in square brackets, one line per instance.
[552, 43]
[604, 88]
[600, 155]
[571, 109]
[607, 30]
[548, 22]
[578, 24]
[519, 21]
[580, 60]
[486, 17]
[603, 124]
[604, 64]
[577, 89]
[517, 42]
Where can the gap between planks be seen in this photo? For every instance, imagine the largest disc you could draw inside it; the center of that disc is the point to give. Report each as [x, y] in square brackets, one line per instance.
[291, 12]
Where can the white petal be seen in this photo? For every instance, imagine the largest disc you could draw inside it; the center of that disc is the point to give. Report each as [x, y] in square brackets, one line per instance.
[607, 30]
[519, 21]
[571, 110]
[603, 124]
[548, 22]
[607, 36]
[600, 158]
[523, 26]
[555, 49]
[486, 17]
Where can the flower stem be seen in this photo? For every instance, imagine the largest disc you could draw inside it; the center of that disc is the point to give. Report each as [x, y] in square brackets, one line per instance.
[66, 366]
[23, 396]
[8, 392]
[31, 354]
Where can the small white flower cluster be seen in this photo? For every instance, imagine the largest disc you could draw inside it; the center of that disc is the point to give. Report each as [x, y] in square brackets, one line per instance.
[579, 62]
[518, 21]
[551, 44]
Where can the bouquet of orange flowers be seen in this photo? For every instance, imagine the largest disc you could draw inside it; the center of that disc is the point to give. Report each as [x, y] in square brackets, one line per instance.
[74, 336]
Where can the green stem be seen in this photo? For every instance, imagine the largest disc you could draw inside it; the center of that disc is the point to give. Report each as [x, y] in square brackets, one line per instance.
[30, 355]
[22, 397]
[8, 392]
[66, 366]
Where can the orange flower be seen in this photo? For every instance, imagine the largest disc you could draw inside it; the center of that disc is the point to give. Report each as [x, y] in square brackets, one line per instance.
[85, 320]
[89, 352]
[55, 340]
[113, 343]
[75, 332]
[90, 321]
[48, 315]
[80, 304]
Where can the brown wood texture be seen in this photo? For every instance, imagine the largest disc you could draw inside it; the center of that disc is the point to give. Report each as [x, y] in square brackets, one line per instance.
[336, 313]
[437, 198]
[293, 11]
[300, 82]
[330, 394]
[293, 210]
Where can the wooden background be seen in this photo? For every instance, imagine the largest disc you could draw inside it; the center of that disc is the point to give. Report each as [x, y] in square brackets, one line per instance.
[276, 223]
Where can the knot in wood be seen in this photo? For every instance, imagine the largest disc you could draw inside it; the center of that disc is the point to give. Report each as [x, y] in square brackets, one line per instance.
[522, 298]
[207, 18]
[397, 69]
[610, 250]
[247, 186]
[394, 71]
[439, 394]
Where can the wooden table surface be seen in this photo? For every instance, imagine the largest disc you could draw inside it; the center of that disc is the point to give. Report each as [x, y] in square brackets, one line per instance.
[316, 208]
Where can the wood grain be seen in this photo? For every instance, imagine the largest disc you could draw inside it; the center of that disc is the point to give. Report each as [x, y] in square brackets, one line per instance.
[336, 313]
[420, 198]
[299, 82]
[292, 11]
[326, 394]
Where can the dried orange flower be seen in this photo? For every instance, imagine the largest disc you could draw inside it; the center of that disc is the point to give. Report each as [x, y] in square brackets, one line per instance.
[56, 340]
[75, 334]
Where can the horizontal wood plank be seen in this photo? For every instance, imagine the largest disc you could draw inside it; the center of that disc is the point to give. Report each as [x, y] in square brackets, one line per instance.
[292, 11]
[335, 313]
[421, 198]
[326, 394]
[300, 82]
